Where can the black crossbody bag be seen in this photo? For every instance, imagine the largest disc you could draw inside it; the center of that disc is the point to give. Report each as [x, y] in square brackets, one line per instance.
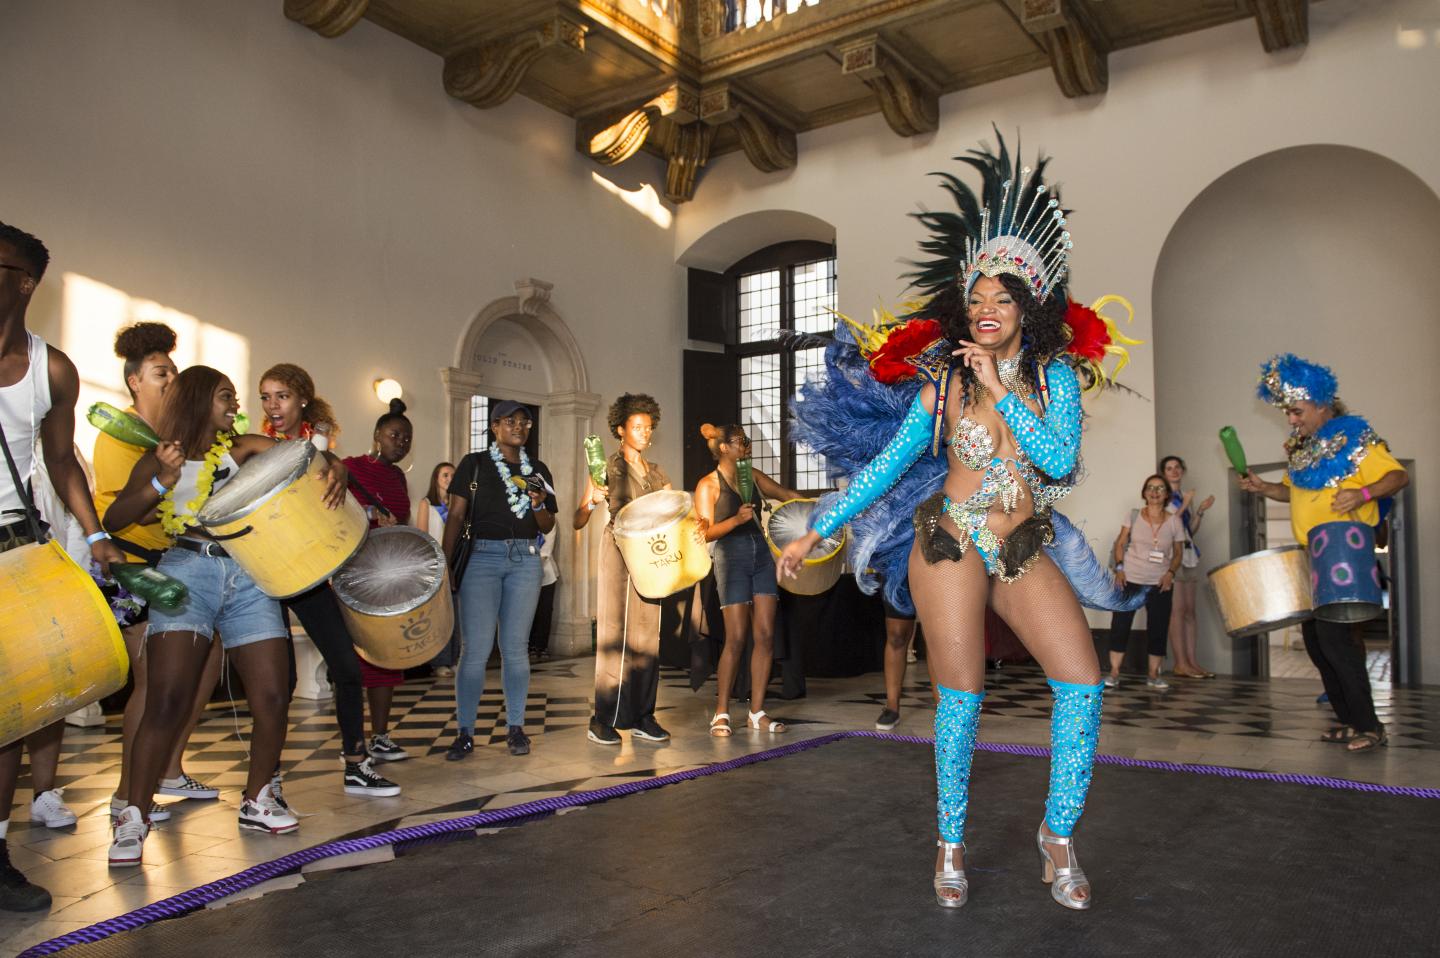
[461, 559]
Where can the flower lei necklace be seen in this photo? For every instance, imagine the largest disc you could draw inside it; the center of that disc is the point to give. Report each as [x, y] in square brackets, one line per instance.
[305, 432]
[519, 503]
[174, 524]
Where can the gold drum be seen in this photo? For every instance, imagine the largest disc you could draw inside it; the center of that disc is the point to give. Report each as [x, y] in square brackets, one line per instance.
[1263, 591]
[660, 538]
[395, 598]
[273, 520]
[60, 648]
[822, 567]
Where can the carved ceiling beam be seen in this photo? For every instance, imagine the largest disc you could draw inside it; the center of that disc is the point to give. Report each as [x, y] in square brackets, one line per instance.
[488, 75]
[687, 147]
[768, 142]
[910, 102]
[329, 18]
[1282, 23]
[618, 141]
[1072, 38]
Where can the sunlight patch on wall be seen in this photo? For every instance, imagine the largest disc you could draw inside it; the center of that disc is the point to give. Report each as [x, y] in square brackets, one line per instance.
[644, 200]
[92, 313]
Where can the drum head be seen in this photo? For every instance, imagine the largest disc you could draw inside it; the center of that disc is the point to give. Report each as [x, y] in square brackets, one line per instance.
[651, 513]
[791, 521]
[399, 568]
[260, 478]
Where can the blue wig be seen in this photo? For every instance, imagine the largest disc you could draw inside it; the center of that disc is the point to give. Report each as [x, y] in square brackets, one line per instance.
[1287, 379]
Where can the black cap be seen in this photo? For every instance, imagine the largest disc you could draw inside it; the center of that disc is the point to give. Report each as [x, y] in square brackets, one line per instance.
[506, 407]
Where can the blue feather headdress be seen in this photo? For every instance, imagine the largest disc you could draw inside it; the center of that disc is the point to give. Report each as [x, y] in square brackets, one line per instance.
[1287, 379]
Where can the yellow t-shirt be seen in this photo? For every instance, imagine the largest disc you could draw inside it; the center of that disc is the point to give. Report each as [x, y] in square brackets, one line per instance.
[1311, 507]
[113, 462]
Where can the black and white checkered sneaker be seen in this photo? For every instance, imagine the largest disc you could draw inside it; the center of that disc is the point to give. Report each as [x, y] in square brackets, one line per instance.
[186, 787]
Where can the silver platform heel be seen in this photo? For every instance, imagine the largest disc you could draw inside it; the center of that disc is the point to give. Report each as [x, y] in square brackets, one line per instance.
[1063, 882]
[950, 878]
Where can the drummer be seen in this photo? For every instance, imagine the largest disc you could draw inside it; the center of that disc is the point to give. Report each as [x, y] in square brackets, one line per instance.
[506, 501]
[173, 481]
[148, 372]
[293, 411]
[1338, 468]
[39, 387]
[627, 640]
[744, 571]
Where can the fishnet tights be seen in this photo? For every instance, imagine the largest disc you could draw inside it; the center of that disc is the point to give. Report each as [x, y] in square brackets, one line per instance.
[950, 601]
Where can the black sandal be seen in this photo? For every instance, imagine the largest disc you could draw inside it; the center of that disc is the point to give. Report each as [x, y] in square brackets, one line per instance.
[1340, 734]
[1365, 741]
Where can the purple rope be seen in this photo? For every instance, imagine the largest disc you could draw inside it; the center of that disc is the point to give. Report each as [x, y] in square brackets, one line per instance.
[199, 897]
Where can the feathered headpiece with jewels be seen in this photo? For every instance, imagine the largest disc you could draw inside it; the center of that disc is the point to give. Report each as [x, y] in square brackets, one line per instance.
[1014, 225]
[1287, 379]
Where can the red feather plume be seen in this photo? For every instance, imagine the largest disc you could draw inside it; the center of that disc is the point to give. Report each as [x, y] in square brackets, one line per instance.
[1088, 333]
[893, 362]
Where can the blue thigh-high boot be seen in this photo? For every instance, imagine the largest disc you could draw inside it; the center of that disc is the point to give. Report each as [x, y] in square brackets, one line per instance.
[1074, 734]
[957, 719]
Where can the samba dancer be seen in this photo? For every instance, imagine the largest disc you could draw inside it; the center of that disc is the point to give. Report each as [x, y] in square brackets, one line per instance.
[380, 486]
[148, 372]
[744, 572]
[293, 411]
[1337, 467]
[627, 643]
[1012, 424]
[175, 480]
[39, 387]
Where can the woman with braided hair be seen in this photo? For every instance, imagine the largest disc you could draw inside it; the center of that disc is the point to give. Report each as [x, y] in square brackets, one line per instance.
[997, 350]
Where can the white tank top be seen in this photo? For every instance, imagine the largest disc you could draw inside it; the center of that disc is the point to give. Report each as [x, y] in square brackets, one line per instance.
[187, 487]
[22, 407]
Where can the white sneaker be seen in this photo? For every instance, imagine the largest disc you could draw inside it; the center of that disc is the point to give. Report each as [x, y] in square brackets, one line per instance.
[1158, 684]
[158, 812]
[267, 814]
[48, 809]
[186, 787]
[1112, 682]
[129, 842]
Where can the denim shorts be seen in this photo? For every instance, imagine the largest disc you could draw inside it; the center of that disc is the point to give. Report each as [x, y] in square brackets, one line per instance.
[744, 568]
[223, 598]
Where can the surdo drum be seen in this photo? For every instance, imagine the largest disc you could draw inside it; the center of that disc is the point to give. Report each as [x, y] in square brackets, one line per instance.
[1263, 591]
[273, 521]
[395, 598]
[660, 538]
[822, 567]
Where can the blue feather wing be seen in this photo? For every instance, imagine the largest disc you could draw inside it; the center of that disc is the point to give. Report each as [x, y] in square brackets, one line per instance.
[1093, 584]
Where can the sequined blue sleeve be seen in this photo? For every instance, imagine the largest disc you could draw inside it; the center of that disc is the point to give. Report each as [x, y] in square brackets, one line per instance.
[1051, 443]
[884, 470]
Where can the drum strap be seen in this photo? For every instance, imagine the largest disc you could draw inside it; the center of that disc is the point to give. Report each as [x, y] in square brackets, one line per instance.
[32, 517]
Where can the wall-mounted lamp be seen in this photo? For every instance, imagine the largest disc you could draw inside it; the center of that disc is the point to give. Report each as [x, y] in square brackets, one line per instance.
[387, 389]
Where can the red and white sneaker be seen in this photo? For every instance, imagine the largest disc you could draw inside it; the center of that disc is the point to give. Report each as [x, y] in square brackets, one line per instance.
[266, 813]
[129, 841]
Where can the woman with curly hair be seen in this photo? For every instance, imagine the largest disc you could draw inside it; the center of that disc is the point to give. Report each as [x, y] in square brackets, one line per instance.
[1003, 395]
[292, 410]
[627, 641]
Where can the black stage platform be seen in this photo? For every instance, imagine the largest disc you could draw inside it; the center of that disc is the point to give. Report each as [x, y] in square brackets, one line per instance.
[829, 852]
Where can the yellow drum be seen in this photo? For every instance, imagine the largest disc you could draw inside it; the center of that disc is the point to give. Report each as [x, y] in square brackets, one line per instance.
[822, 567]
[273, 522]
[661, 541]
[1263, 591]
[395, 598]
[60, 648]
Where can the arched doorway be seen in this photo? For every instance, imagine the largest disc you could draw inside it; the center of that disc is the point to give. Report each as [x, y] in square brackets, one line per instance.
[1320, 250]
[518, 347]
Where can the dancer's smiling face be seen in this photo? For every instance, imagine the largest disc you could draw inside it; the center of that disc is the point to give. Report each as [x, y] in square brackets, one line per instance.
[994, 314]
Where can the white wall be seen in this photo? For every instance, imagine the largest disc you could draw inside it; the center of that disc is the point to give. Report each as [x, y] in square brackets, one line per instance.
[1179, 114]
[324, 198]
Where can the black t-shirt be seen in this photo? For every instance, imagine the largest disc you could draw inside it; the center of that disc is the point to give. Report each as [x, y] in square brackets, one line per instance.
[490, 515]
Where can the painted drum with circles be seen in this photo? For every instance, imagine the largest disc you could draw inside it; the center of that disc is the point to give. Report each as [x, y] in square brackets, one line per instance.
[1343, 572]
[395, 598]
[660, 538]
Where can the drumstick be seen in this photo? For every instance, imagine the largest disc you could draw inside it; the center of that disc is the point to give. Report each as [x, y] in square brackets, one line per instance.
[1233, 449]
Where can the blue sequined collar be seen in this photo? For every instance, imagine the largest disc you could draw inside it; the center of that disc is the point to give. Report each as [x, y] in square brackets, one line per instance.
[1332, 454]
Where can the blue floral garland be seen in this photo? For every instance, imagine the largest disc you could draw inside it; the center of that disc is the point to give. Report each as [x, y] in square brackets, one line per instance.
[1332, 455]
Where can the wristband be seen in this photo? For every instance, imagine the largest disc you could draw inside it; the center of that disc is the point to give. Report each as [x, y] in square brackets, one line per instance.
[1365, 491]
[1119, 567]
[589, 507]
[159, 486]
[95, 537]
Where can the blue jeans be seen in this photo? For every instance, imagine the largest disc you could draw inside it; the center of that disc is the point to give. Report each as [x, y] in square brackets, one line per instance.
[500, 589]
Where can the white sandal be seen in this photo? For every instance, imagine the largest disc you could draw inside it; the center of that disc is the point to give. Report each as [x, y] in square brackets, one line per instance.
[718, 730]
[773, 726]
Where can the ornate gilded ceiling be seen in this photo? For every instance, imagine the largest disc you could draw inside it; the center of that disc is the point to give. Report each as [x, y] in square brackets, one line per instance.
[687, 80]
